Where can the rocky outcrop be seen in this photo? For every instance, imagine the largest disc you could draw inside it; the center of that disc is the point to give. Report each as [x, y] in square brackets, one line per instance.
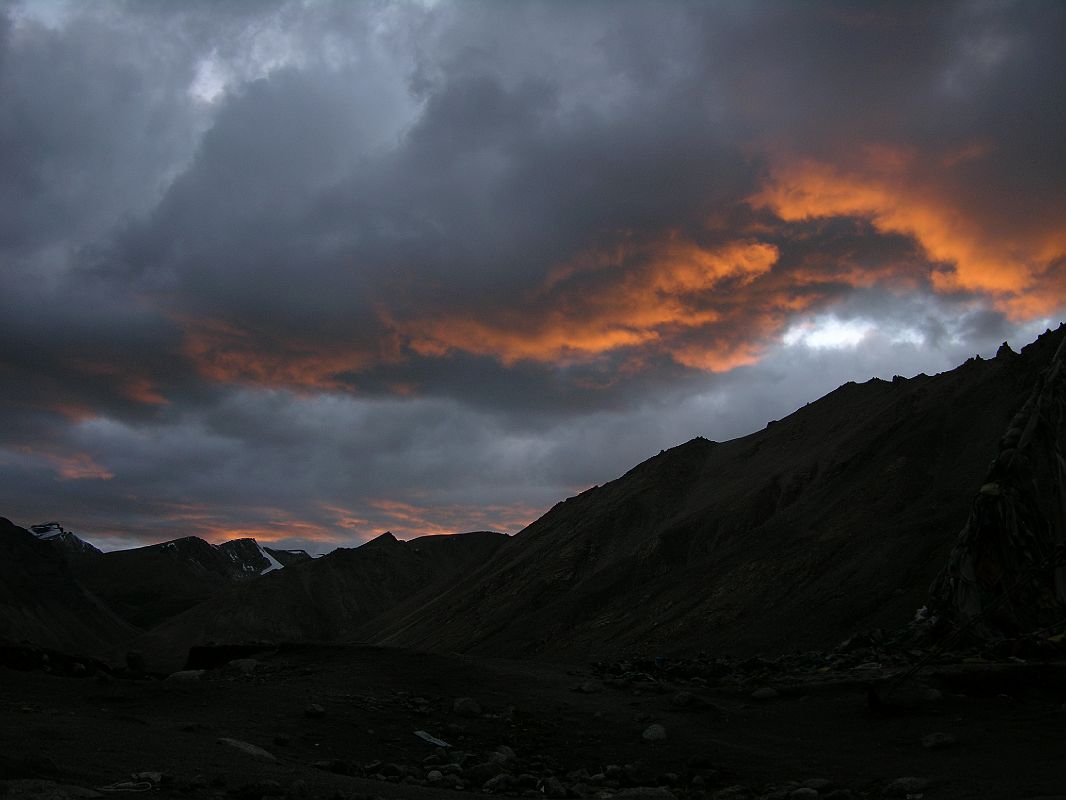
[1006, 575]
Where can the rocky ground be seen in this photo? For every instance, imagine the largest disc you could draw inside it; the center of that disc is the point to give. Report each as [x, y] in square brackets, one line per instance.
[361, 722]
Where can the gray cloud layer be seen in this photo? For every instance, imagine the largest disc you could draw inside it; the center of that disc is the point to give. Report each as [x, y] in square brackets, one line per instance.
[311, 271]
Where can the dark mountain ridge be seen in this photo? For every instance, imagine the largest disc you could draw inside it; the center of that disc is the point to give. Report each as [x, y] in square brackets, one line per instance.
[324, 599]
[834, 519]
[146, 585]
[42, 602]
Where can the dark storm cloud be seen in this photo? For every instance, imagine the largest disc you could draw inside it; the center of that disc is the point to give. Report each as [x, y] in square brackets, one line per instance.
[315, 270]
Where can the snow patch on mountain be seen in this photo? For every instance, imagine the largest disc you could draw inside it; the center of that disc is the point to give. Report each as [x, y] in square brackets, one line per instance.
[272, 563]
[57, 535]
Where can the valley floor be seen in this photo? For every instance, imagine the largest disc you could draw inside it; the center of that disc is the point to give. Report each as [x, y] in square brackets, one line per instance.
[340, 722]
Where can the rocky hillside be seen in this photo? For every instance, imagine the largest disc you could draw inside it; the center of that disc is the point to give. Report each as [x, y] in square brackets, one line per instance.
[324, 599]
[1007, 573]
[147, 585]
[68, 543]
[834, 519]
[42, 602]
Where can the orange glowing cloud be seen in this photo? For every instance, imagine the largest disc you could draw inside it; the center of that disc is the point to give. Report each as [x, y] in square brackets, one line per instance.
[75, 412]
[226, 353]
[266, 533]
[138, 388]
[883, 187]
[408, 520]
[343, 517]
[142, 390]
[623, 297]
[69, 466]
[269, 525]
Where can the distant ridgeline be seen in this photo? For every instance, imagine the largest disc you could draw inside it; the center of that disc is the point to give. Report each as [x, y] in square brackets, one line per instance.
[833, 520]
[1006, 574]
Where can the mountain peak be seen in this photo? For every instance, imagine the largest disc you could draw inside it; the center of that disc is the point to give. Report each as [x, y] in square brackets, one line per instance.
[384, 540]
[69, 543]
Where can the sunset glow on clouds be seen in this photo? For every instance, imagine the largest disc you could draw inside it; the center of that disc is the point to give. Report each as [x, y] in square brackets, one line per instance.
[312, 272]
[632, 298]
[1009, 267]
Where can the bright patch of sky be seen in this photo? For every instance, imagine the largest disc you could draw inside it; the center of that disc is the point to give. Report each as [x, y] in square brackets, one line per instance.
[827, 333]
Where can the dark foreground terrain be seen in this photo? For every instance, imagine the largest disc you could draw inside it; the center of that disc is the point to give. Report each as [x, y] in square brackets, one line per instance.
[773, 547]
[340, 722]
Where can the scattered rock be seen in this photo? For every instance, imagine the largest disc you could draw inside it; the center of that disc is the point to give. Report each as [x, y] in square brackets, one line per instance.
[590, 687]
[938, 741]
[187, 675]
[337, 766]
[500, 783]
[684, 699]
[764, 693]
[259, 790]
[803, 793]
[736, 792]
[154, 778]
[314, 711]
[553, 787]
[901, 787]
[479, 773]
[451, 782]
[819, 784]
[638, 774]
[654, 733]
[244, 665]
[466, 707]
[245, 747]
[47, 790]
[647, 793]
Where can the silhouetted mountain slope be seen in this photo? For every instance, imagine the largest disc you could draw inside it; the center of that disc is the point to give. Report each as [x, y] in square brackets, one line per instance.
[286, 557]
[1007, 572]
[69, 544]
[834, 519]
[41, 602]
[147, 585]
[323, 599]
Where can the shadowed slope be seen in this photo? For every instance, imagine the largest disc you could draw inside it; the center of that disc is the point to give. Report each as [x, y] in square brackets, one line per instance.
[1007, 573]
[834, 519]
[146, 585]
[41, 602]
[324, 599]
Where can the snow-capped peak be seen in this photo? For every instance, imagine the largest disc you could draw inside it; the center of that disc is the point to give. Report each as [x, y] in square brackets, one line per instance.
[60, 537]
[47, 530]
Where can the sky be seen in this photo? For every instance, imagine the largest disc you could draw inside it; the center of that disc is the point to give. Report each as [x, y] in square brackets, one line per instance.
[310, 271]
